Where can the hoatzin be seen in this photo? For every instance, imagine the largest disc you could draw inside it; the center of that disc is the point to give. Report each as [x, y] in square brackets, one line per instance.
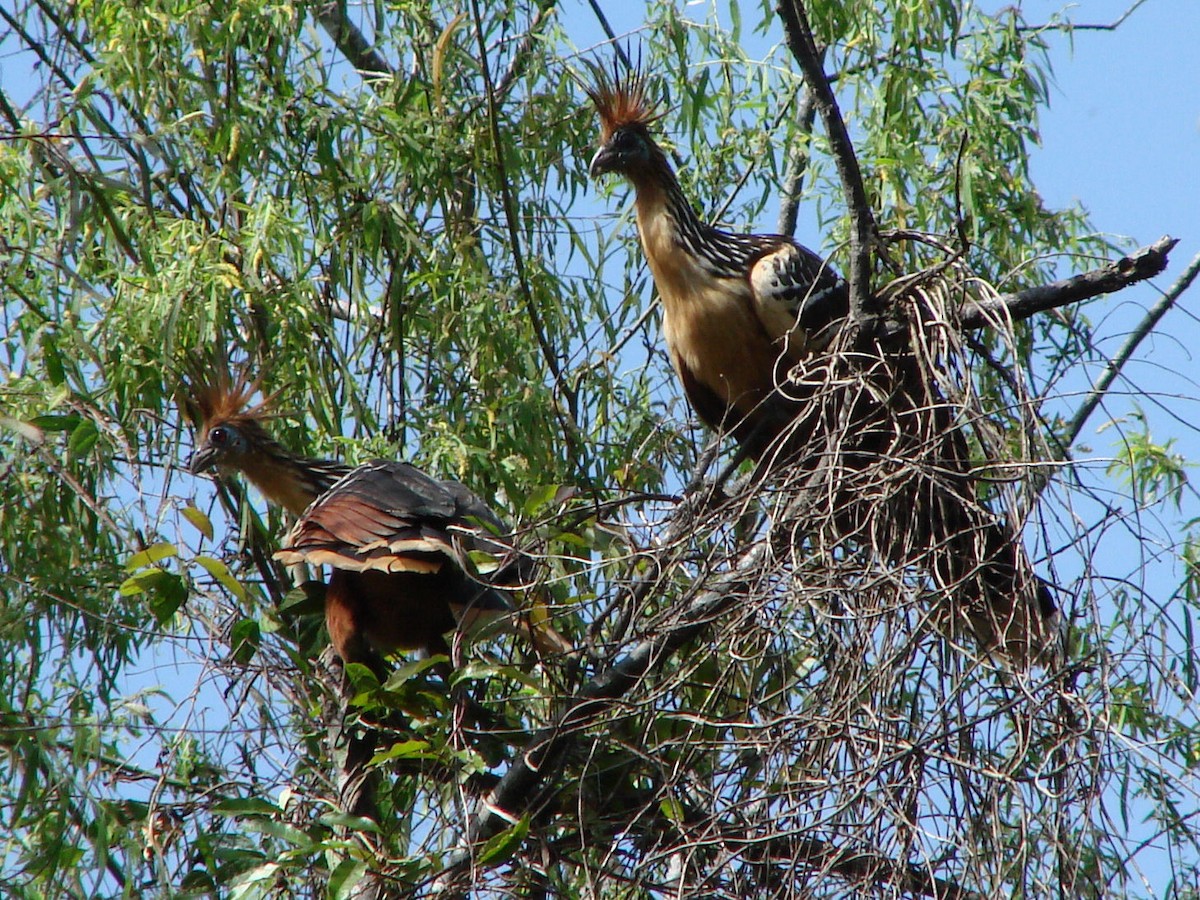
[742, 311]
[396, 540]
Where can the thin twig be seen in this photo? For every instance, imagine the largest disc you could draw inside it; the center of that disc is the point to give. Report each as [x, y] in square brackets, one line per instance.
[1117, 363]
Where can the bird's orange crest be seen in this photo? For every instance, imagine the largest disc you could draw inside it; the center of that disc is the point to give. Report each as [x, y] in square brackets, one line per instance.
[214, 393]
[621, 98]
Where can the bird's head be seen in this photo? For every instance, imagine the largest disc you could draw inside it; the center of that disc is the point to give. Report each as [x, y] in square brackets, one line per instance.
[227, 444]
[229, 430]
[626, 114]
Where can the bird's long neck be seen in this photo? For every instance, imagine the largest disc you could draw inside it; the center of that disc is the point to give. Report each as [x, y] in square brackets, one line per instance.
[669, 226]
[289, 480]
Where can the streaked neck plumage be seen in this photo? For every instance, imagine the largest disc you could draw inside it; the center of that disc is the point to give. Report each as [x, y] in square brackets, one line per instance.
[288, 480]
[668, 224]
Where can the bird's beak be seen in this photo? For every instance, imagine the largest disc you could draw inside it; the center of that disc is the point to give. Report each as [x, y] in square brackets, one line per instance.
[603, 162]
[203, 459]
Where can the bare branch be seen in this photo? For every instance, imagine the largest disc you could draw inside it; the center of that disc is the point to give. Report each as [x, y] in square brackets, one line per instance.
[1144, 263]
[1072, 26]
[797, 167]
[858, 865]
[522, 785]
[800, 41]
[350, 40]
[1117, 363]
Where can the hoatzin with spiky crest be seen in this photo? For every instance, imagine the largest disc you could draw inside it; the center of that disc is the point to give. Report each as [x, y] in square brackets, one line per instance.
[742, 311]
[738, 309]
[397, 541]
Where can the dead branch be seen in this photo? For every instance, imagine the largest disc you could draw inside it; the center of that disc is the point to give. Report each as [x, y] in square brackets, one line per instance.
[1144, 263]
[856, 865]
[350, 40]
[798, 156]
[523, 786]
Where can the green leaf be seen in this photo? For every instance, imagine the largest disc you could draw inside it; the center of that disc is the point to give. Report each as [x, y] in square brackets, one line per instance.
[363, 679]
[287, 833]
[245, 637]
[409, 670]
[539, 498]
[672, 809]
[303, 600]
[245, 806]
[67, 422]
[413, 749]
[198, 520]
[344, 878]
[349, 822]
[83, 438]
[221, 573]
[155, 553]
[502, 846]
[257, 882]
[167, 592]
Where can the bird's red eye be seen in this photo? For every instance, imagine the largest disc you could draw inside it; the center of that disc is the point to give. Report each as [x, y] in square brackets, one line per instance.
[218, 436]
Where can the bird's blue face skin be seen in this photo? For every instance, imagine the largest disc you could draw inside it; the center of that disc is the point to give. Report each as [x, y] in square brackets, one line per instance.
[625, 148]
[222, 445]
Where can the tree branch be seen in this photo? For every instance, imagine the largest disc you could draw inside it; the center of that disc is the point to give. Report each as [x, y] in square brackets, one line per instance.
[856, 865]
[521, 787]
[1113, 369]
[1144, 263]
[350, 40]
[797, 162]
[1072, 26]
[863, 305]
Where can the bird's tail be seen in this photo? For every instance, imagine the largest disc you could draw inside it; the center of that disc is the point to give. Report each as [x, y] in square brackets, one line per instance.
[1010, 612]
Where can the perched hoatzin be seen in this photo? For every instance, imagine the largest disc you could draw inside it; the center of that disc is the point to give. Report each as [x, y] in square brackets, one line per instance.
[741, 311]
[738, 309]
[396, 540]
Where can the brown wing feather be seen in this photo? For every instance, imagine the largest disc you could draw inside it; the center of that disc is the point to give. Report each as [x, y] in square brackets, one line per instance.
[396, 540]
[391, 517]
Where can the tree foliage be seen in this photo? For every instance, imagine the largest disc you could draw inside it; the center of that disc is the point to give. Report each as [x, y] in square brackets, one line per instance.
[384, 211]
